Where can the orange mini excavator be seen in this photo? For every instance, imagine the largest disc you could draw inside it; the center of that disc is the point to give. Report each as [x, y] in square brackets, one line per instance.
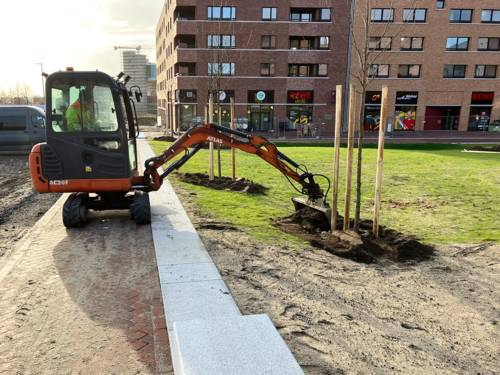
[91, 150]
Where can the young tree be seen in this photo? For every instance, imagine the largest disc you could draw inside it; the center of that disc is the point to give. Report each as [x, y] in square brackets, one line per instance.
[367, 56]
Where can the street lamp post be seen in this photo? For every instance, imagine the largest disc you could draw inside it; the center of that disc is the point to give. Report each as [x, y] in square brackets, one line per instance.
[43, 75]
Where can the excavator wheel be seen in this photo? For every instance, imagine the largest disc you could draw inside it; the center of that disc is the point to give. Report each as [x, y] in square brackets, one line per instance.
[140, 211]
[75, 212]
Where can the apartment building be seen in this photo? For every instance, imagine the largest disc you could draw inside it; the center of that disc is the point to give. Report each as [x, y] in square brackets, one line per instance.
[279, 60]
[440, 59]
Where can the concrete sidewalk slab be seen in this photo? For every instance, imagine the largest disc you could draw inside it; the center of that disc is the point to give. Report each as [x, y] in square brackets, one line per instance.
[248, 345]
[198, 303]
[182, 273]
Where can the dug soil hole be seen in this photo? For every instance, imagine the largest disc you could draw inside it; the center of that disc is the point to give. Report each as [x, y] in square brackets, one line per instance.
[312, 226]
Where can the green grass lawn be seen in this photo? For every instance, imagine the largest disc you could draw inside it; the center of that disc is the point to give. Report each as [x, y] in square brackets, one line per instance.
[436, 192]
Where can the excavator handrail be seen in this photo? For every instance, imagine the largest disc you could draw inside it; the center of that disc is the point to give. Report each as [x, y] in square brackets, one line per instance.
[195, 137]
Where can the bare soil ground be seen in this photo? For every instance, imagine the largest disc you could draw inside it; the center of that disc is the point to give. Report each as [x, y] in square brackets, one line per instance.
[20, 206]
[339, 316]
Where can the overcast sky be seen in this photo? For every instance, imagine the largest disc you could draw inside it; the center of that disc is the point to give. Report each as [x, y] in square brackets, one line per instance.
[74, 33]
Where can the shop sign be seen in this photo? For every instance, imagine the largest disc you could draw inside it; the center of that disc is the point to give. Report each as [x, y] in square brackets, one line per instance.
[406, 98]
[260, 96]
[373, 97]
[186, 96]
[222, 96]
[484, 98]
[300, 97]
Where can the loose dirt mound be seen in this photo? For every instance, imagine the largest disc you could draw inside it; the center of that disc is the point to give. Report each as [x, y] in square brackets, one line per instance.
[312, 226]
[165, 138]
[493, 148]
[223, 183]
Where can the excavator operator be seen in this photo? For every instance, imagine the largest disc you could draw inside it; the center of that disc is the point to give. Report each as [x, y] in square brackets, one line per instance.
[79, 115]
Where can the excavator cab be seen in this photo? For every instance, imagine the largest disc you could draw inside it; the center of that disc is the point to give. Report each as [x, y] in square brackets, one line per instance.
[91, 148]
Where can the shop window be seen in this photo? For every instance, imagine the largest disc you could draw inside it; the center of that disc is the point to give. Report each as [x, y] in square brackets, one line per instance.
[269, 14]
[460, 16]
[268, 41]
[414, 15]
[454, 71]
[405, 111]
[377, 43]
[490, 16]
[382, 15]
[412, 44]
[409, 71]
[486, 71]
[480, 110]
[378, 70]
[457, 44]
[488, 44]
[267, 69]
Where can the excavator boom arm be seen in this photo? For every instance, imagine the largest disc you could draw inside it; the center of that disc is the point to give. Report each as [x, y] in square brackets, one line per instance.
[192, 141]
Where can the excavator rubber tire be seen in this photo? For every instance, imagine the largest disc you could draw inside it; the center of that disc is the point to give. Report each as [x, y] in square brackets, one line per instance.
[75, 212]
[140, 210]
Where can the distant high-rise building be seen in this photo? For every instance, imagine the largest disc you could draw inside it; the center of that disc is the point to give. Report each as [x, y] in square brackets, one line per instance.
[137, 66]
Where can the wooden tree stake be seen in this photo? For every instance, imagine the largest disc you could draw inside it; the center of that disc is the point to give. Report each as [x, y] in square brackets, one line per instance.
[380, 160]
[233, 150]
[350, 148]
[211, 144]
[336, 156]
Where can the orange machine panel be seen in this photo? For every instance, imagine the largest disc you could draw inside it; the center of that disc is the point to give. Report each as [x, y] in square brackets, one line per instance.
[43, 185]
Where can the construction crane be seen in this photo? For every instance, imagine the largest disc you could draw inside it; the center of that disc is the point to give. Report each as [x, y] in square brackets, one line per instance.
[137, 48]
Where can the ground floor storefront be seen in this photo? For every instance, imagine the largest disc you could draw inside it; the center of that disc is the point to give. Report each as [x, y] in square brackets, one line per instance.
[441, 111]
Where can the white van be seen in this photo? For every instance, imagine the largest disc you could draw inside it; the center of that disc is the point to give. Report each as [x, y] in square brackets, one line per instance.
[21, 127]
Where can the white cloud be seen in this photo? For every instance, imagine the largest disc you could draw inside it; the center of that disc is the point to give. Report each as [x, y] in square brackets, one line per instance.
[70, 33]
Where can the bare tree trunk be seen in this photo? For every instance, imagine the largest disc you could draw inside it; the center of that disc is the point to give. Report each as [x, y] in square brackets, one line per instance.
[359, 172]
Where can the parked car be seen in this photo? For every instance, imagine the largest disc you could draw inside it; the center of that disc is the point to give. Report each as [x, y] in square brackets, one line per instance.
[21, 127]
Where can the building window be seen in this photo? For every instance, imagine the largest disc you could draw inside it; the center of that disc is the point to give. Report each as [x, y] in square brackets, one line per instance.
[490, 16]
[221, 69]
[454, 71]
[440, 4]
[488, 44]
[414, 15]
[301, 43]
[269, 14]
[267, 69]
[222, 13]
[324, 42]
[460, 16]
[322, 70]
[325, 14]
[486, 71]
[268, 41]
[298, 15]
[382, 15]
[412, 43]
[457, 44]
[300, 70]
[409, 71]
[378, 70]
[221, 41]
[377, 43]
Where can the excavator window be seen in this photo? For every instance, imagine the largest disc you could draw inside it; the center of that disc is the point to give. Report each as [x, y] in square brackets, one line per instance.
[83, 107]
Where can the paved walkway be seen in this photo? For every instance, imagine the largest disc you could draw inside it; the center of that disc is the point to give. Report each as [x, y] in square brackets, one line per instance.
[83, 301]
